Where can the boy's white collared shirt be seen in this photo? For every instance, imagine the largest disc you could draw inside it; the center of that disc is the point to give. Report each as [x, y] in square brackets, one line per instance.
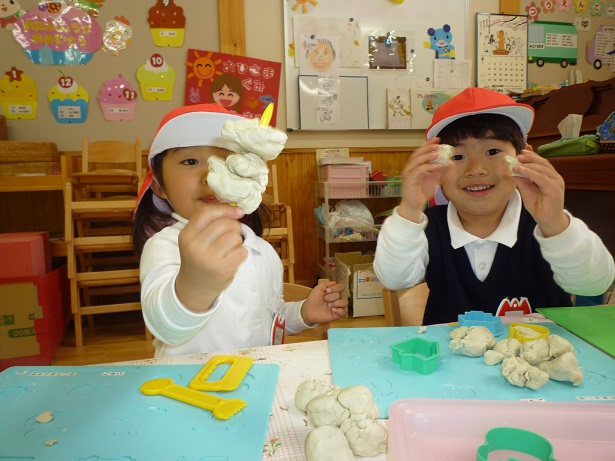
[481, 252]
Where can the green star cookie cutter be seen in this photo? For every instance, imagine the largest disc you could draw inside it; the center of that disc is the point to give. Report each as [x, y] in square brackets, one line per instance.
[416, 354]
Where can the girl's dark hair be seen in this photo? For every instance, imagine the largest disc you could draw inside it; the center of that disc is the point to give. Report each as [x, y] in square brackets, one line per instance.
[478, 126]
[148, 219]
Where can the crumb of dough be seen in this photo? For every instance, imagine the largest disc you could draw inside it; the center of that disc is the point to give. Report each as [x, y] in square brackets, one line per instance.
[421, 329]
[51, 442]
[45, 417]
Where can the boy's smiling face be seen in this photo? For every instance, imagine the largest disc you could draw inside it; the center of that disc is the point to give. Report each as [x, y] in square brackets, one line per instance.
[477, 181]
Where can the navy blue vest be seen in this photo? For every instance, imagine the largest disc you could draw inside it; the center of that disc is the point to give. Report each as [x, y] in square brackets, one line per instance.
[517, 272]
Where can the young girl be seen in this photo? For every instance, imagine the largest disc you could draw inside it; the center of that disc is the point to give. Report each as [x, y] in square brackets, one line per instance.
[209, 282]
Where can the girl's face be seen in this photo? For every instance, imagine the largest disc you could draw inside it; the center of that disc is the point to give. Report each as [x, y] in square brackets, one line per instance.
[184, 175]
[477, 180]
[226, 97]
[321, 57]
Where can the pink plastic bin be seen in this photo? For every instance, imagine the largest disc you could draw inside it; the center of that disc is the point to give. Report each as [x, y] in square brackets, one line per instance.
[443, 430]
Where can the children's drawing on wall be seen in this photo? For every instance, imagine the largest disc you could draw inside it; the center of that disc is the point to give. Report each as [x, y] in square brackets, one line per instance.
[425, 102]
[440, 40]
[346, 30]
[318, 56]
[398, 109]
[328, 109]
[243, 85]
[387, 51]
[601, 49]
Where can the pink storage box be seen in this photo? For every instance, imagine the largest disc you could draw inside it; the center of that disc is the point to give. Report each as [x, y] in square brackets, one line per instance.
[344, 173]
[25, 254]
[440, 429]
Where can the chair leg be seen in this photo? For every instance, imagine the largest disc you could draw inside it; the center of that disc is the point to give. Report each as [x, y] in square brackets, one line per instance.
[78, 331]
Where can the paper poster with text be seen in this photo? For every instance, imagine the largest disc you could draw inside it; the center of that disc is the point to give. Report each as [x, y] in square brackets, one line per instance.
[242, 85]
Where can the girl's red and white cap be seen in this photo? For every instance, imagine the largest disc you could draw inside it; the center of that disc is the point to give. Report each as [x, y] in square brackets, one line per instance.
[188, 126]
[474, 101]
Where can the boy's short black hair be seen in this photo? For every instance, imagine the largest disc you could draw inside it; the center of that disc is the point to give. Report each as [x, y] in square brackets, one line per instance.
[479, 125]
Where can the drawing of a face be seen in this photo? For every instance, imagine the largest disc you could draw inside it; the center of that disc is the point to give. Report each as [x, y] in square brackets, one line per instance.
[227, 91]
[321, 56]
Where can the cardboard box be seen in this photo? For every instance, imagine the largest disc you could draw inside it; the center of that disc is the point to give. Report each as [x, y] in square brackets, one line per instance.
[355, 271]
[32, 318]
[26, 254]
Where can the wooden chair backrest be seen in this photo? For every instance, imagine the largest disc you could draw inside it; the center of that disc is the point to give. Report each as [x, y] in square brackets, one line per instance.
[405, 307]
[111, 154]
[294, 292]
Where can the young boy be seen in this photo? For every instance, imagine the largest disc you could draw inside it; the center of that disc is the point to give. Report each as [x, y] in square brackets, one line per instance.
[503, 241]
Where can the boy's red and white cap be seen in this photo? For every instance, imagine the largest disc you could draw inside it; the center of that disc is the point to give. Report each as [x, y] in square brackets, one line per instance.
[188, 126]
[474, 101]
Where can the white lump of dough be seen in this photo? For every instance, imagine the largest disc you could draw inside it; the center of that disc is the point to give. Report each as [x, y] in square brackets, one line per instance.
[359, 401]
[231, 188]
[309, 389]
[247, 135]
[521, 374]
[563, 368]
[327, 443]
[445, 152]
[249, 166]
[473, 341]
[366, 437]
[508, 347]
[325, 410]
[558, 346]
[534, 352]
[512, 161]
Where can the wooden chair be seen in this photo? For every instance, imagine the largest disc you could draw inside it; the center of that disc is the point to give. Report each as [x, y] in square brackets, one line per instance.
[99, 204]
[405, 307]
[280, 232]
[295, 292]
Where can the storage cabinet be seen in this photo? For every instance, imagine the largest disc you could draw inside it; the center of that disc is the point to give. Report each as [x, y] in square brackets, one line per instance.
[377, 196]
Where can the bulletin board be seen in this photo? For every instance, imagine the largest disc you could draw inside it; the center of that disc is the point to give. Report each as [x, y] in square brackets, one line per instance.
[382, 42]
[501, 52]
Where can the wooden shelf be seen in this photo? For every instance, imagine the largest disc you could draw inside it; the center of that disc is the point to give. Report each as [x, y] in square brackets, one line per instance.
[31, 183]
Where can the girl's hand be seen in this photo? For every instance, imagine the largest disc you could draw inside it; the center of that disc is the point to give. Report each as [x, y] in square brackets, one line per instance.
[420, 179]
[211, 251]
[542, 191]
[324, 304]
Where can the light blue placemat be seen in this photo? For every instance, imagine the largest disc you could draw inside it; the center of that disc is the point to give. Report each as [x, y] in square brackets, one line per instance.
[363, 356]
[100, 414]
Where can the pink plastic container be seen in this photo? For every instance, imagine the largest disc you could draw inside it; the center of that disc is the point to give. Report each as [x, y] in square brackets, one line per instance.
[444, 430]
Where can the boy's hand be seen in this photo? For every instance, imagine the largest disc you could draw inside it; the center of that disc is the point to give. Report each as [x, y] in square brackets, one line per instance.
[543, 192]
[211, 251]
[420, 179]
[324, 304]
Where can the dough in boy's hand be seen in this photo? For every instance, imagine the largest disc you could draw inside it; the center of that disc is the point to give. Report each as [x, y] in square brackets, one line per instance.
[512, 161]
[446, 152]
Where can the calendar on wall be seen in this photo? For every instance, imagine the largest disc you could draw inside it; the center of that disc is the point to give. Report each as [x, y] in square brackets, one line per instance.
[501, 52]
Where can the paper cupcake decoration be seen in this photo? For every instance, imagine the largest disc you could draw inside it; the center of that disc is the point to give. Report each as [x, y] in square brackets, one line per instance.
[167, 23]
[118, 100]
[69, 101]
[53, 33]
[18, 95]
[156, 79]
[117, 35]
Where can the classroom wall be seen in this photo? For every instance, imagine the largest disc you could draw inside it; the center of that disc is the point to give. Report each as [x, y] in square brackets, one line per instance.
[264, 25]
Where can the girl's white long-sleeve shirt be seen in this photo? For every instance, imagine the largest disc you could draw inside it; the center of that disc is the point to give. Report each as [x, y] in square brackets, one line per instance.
[241, 317]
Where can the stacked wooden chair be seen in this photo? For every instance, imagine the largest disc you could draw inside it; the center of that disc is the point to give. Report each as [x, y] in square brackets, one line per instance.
[99, 202]
[280, 233]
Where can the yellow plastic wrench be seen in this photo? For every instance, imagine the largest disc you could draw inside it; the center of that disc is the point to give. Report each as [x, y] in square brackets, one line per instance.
[221, 408]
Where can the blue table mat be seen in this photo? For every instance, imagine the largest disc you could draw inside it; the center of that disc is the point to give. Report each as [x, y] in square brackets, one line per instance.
[363, 356]
[100, 414]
